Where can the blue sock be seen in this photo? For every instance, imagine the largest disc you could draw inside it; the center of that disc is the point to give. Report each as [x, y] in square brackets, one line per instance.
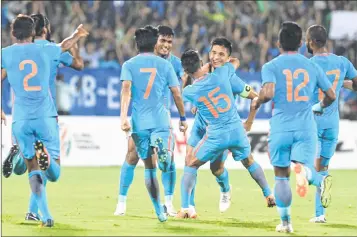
[19, 165]
[258, 175]
[33, 207]
[192, 196]
[223, 181]
[126, 179]
[283, 197]
[313, 176]
[187, 183]
[38, 189]
[168, 179]
[54, 171]
[153, 188]
[319, 209]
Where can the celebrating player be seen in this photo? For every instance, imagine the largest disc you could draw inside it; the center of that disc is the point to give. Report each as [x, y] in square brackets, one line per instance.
[212, 94]
[290, 80]
[163, 49]
[337, 69]
[150, 118]
[34, 113]
[221, 49]
[14, 162]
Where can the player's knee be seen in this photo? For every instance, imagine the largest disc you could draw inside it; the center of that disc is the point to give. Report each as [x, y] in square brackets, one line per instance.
[247, 161]
[132, 157]
[53, 178]
[217, 170]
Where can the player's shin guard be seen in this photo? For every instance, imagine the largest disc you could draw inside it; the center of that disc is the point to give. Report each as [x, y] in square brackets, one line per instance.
[153, 188]
[38, 189]
[19, 165]
[126, 178]
[258, 175]
[187, 183]
[54, 171]
[168, 179]
[282, 192]
[223, 181]
[319, 209]
[33, 207]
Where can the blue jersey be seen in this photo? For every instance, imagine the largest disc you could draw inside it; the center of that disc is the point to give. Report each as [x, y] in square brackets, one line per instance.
[66, 59]
[150, 75]
[28, 68]
[295, 78]
[214, 99]
[176, 63]
[337, 68]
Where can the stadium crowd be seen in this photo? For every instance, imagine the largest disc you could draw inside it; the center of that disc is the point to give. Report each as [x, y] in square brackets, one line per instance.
[251, 25]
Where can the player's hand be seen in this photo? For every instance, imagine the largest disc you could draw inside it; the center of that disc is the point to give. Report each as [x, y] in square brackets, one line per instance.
[125, 125]
[235, 62]
[3, 117]
[317, 109]
[81, 32]
[194, 110]
[247, 125]
[183, 126]
[206, 67]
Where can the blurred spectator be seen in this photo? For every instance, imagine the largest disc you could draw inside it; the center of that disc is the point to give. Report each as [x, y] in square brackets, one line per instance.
[65, 94]
[252, 26]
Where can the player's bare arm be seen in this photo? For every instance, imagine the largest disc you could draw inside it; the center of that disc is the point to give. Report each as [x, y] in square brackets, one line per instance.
[235, 62]
[3, 74]
[124, 105]
[266, 94]
[330, 96]
[77, 59]
[253, 110]
[351, 84]
[69, 42]
[176, 93]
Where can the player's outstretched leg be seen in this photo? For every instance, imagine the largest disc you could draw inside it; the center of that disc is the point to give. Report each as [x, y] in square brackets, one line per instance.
[126, 177]
[305, 175]
[257, 173]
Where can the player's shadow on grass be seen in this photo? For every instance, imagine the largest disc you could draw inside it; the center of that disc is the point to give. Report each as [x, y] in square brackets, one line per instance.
[341, 226]
[184, 230]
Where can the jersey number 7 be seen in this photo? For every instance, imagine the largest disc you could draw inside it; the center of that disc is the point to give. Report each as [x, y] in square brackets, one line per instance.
[215, 100]
[152, 72]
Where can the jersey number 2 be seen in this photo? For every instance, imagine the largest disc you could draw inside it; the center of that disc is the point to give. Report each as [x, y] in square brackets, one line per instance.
[289, 84]
[152, 72]
[30, 75]
[215, 100]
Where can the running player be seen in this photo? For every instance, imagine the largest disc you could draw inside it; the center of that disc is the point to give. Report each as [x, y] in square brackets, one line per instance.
[14, 162]
[337, 69]
[163, 49]
[150, 118]
[212, 94]
[34, 113]
[221, 49]
[290, 80]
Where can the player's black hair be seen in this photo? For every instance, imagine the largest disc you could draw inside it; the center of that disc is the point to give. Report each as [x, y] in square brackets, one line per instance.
[318, 35]
[222, 41]
[190, 61]
[23, 27]
[290, 36]
[166, 31]
[146, 39]
[41, 22]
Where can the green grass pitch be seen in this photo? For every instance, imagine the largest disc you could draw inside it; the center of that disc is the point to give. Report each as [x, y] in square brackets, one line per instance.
[83, 202]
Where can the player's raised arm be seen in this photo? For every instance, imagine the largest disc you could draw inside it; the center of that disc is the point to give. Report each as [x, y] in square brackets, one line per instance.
[126, 77]
[69, 42]
[350, 84]
[77, 62]
[325, 85]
